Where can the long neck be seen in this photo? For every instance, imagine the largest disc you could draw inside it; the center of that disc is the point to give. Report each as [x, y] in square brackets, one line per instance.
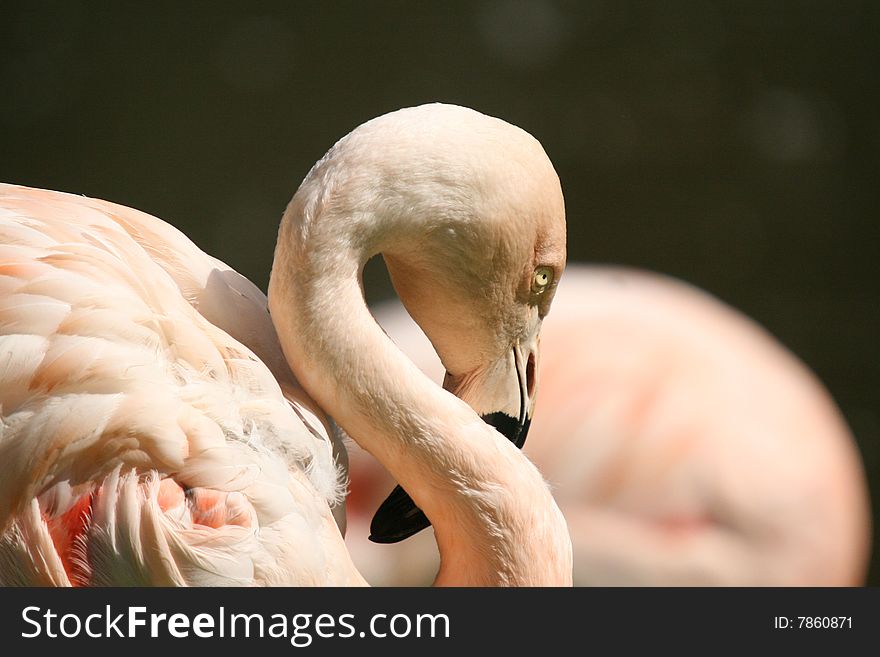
[494, 519]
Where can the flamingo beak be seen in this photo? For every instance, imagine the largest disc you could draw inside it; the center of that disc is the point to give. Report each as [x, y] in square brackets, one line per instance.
[510, 386]
[515, 430]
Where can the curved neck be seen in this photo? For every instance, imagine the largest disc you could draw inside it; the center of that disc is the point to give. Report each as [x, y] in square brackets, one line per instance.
[494, 519]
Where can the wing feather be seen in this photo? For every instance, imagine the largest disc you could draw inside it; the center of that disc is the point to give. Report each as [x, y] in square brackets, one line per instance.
[128, 356]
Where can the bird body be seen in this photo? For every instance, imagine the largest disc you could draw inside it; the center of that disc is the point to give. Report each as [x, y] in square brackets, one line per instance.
[699, 450]
[118, 355]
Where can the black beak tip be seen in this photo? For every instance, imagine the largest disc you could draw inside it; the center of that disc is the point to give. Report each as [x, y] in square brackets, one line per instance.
[397, 518]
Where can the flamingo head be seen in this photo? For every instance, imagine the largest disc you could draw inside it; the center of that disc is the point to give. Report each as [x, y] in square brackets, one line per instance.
[474, 242]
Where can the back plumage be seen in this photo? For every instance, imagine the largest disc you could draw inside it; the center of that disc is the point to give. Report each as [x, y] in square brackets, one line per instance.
[151, 431]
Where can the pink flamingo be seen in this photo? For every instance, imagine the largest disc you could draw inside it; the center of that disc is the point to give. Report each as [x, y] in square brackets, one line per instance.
[159, 427]
[683, 443]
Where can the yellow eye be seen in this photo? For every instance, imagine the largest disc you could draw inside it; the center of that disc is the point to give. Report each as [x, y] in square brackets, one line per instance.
[542, 279]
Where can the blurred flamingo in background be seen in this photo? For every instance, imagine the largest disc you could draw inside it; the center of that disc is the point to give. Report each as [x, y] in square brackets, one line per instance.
[683, 443]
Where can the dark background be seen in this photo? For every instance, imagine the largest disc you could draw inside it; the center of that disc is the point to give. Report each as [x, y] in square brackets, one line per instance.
[733, 145]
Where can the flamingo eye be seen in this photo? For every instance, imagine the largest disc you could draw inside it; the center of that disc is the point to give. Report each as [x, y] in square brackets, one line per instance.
[542, 279]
